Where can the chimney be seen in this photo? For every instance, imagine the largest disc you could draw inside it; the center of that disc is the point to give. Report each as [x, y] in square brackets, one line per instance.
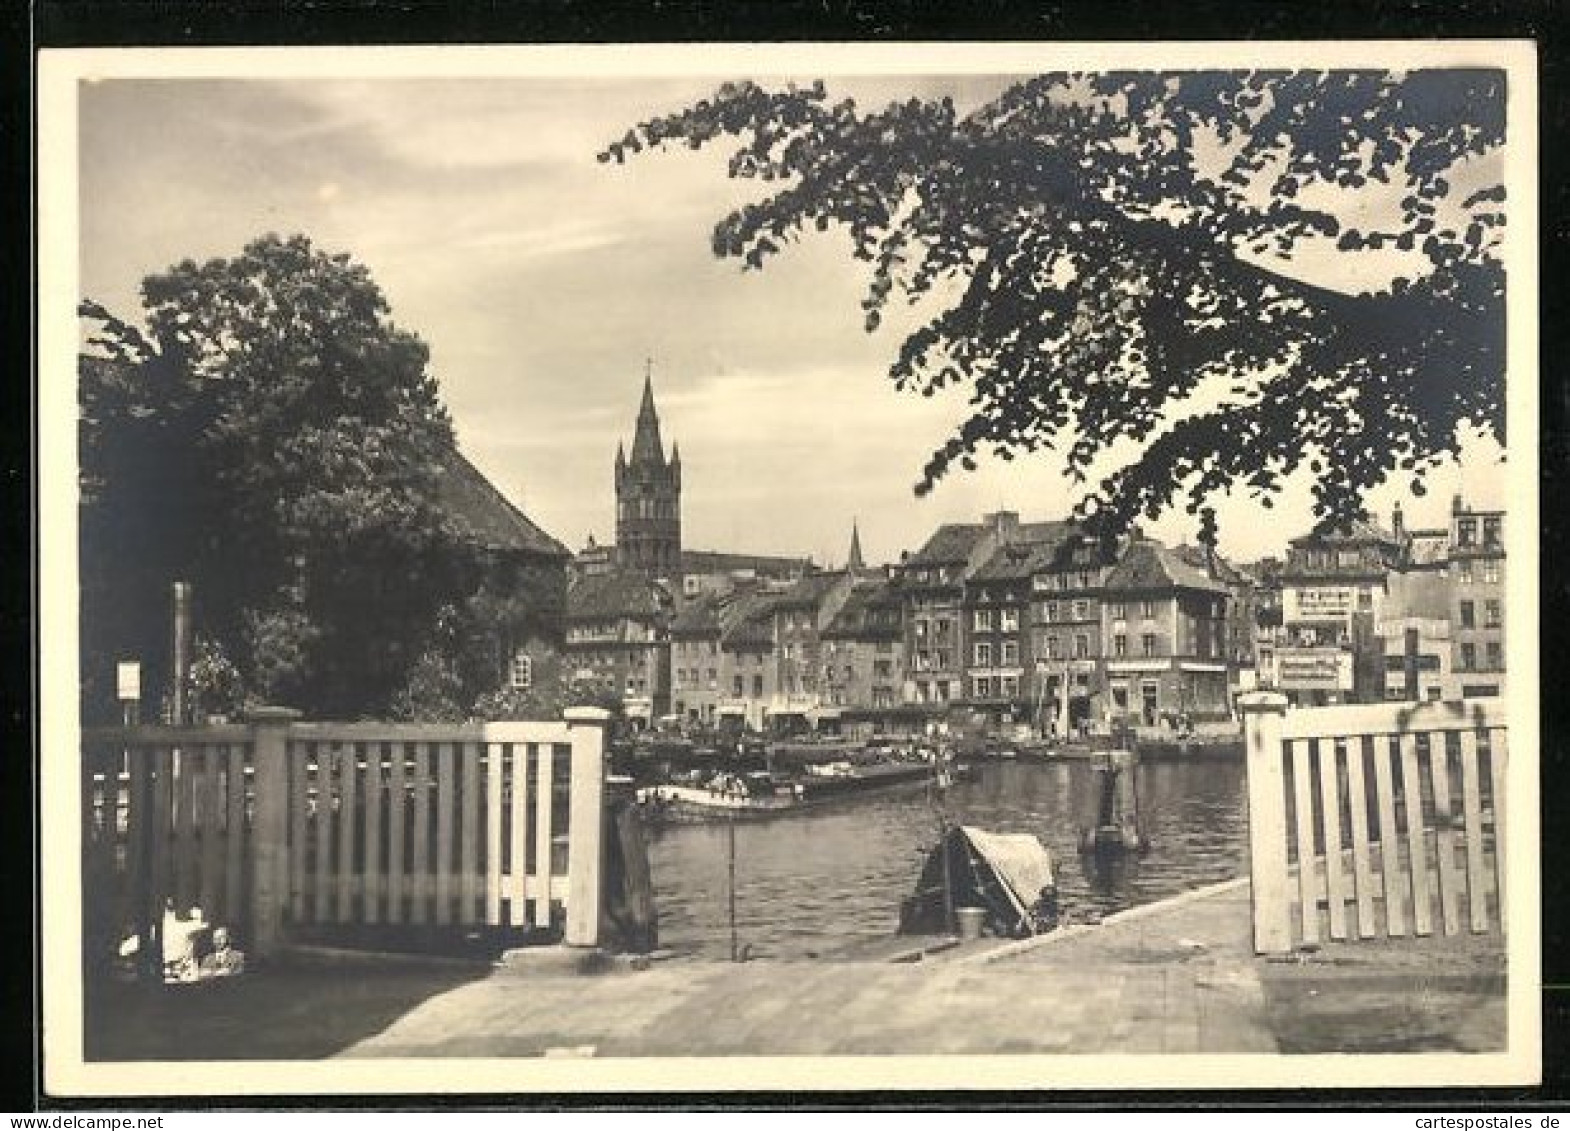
[1455, 503]
[1398, 523]
[1004, 523]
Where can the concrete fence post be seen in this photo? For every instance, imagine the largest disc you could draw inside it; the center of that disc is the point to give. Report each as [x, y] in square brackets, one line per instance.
[586, 828]
[269, 826]
[1263, 713]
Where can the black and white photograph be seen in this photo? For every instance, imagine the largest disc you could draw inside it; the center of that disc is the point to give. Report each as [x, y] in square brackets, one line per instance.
[726, 567]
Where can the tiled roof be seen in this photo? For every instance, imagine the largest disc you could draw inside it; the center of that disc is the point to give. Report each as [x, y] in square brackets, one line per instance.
[851, 622]
[1224, 571]
[950, 544]
[1354, 530]
[1149, 565]
[1015, 561]
[719, 561]
[810, 590]
[604, 595]
[752, 625]
[697, 617]
[481, 514]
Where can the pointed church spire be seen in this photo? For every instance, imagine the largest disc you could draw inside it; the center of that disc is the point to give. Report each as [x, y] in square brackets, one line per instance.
[646, 446]
[853, 560]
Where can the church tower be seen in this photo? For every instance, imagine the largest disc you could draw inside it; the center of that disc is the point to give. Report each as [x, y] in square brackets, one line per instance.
[648, 497]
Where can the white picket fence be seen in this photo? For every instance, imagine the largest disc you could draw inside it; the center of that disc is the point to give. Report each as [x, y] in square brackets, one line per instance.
[1364, 820]
[277, 824]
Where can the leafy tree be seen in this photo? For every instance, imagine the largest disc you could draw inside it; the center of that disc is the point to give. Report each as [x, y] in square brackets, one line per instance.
[275, 439]
[1103, 245]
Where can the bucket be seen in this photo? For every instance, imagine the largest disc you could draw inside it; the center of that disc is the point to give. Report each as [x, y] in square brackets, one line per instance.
[970, 921]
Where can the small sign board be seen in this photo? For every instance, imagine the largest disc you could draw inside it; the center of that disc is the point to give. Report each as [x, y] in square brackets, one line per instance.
[128, 680]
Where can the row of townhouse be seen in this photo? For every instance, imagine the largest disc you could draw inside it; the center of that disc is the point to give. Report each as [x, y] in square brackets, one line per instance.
[1001, 620]
[1368, 613]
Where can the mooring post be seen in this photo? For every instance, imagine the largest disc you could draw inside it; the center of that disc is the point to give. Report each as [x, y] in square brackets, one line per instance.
[269, 826]
[1263, 713]
[586, 828]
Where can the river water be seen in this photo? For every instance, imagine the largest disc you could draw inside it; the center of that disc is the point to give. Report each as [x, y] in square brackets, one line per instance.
[811, 883]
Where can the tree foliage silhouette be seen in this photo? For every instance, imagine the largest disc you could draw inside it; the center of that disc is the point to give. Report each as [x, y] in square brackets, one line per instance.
[1124, 256]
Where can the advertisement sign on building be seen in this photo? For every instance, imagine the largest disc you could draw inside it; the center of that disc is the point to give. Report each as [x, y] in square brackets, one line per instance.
[1320, 602]
[1314, 671]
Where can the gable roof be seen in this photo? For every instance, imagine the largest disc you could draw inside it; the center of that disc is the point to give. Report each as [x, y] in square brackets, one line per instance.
[853, 619]
[810, 590]
[752, 625]
[599, 596]
[1034, 548]
[483, 516]
[950, 544]
[1149, 565]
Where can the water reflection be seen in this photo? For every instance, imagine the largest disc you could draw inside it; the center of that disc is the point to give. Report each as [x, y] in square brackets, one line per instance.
[813, 882]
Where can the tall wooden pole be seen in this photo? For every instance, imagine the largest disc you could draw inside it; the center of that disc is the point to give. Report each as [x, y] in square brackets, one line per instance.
[730, 887]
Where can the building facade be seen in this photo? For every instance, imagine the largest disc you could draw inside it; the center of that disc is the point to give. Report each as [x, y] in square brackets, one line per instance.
[1166, 623]
[1477, 577]
[863, 660]
[1068, 639]
[801, 613]
[618, 639]
[1332, 590]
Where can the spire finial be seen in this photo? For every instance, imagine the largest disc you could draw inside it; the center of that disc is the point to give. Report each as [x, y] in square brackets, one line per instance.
[853, 560]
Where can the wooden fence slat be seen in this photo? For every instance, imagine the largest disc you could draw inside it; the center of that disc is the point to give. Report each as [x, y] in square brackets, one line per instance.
[1416, 837]
[446, 788]
[1303, 819]
[138, 861]
[374, 796]
[322, 820]
[1472, 808]
[183, 795]
[1362, 864]
[1497, 762]
[1389, 837]
[1330, 808]
[163, 784]
[211, 887]
[420, 867]
[348, 799]
[518, 866]
[397, 831]
[493, 834]
[469, 836]
[544, 797]
[1444, 836]
[234, 834]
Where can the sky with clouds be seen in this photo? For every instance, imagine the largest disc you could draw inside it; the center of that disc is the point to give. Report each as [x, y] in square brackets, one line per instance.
[542, 280]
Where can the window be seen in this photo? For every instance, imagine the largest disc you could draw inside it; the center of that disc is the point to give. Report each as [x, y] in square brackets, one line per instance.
[882, 669]
[1081, 610]
[757, 687]
[1434, 693]
[1468, 657]
[714, 679]
[1009, 620]
[943, 690]
[1492, 614]
[737, 685]
[942, 659]
[1008, 687]
[1147, 644]
[1120, 645]
[1081, 646]
[1365, 600]
[1464, 572]
[1466, 532]
[1491, 531]
[1053, 647]
[1468, 615]
[1062, 581]
[1052, 611]
[983, 655]
[983, 620]
[520, 672]
[1010, 653]
[1496, 656]
[1119, 611]
[981, 688]
[1147, 609]
[1490, 570]
[922, 693]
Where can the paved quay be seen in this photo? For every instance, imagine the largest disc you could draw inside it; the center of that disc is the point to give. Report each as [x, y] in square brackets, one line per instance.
[1174, 977]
